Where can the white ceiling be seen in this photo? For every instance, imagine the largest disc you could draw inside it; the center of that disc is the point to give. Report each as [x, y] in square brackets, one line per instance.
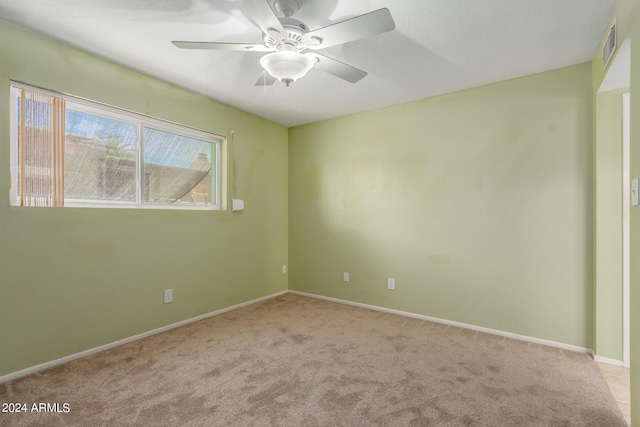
[438, 46]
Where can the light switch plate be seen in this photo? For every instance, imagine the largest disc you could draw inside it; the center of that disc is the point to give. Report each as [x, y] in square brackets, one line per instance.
[635, 197]
[237, 204]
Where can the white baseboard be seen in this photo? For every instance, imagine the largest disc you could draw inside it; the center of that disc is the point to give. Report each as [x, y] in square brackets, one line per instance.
[608, 360]
[560, 345]
[51, 364]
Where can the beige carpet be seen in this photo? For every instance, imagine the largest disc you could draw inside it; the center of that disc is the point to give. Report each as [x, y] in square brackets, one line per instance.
[298, 361]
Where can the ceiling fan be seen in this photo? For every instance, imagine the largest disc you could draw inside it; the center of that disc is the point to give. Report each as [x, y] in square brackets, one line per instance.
[293, 47]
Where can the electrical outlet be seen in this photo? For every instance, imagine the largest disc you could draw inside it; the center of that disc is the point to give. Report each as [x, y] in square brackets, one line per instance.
[391, 284]
[168, 296]
[345, 276]
[284, 269]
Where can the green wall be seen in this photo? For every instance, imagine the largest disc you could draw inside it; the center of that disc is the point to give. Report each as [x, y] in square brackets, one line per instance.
[74, 278]
[478, 203]
[608, 225]
[628, 16]
[608, 199]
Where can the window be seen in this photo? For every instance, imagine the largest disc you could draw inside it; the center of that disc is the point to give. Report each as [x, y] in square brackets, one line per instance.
[71, 152]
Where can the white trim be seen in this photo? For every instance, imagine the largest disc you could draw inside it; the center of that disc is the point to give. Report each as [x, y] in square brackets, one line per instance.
[560, 345]
[608, 361]
[79, 203]
[60, 361]
[218, 176]
[140, 164]
[626, 221]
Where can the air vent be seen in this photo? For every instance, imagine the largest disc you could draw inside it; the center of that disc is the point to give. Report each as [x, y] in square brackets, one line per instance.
[610, 43]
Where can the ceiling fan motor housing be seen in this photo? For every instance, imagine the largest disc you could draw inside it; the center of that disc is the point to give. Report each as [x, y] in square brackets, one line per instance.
[295, 30]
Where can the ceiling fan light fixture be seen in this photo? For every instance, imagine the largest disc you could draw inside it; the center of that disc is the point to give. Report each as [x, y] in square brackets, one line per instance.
[287, 66]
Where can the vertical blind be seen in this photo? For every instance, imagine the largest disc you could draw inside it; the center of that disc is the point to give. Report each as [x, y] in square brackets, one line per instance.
[41, 139]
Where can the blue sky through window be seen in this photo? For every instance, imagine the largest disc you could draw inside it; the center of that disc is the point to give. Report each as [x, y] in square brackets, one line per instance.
[91, 126]
[162, 148]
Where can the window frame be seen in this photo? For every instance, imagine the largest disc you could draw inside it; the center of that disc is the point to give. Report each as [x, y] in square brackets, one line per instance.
[141, 122]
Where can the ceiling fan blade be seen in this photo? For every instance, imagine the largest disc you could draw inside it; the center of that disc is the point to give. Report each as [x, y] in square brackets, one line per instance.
[265, 79]
[337, 68]
[369, 24]
[264, 17]
[243, 47]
